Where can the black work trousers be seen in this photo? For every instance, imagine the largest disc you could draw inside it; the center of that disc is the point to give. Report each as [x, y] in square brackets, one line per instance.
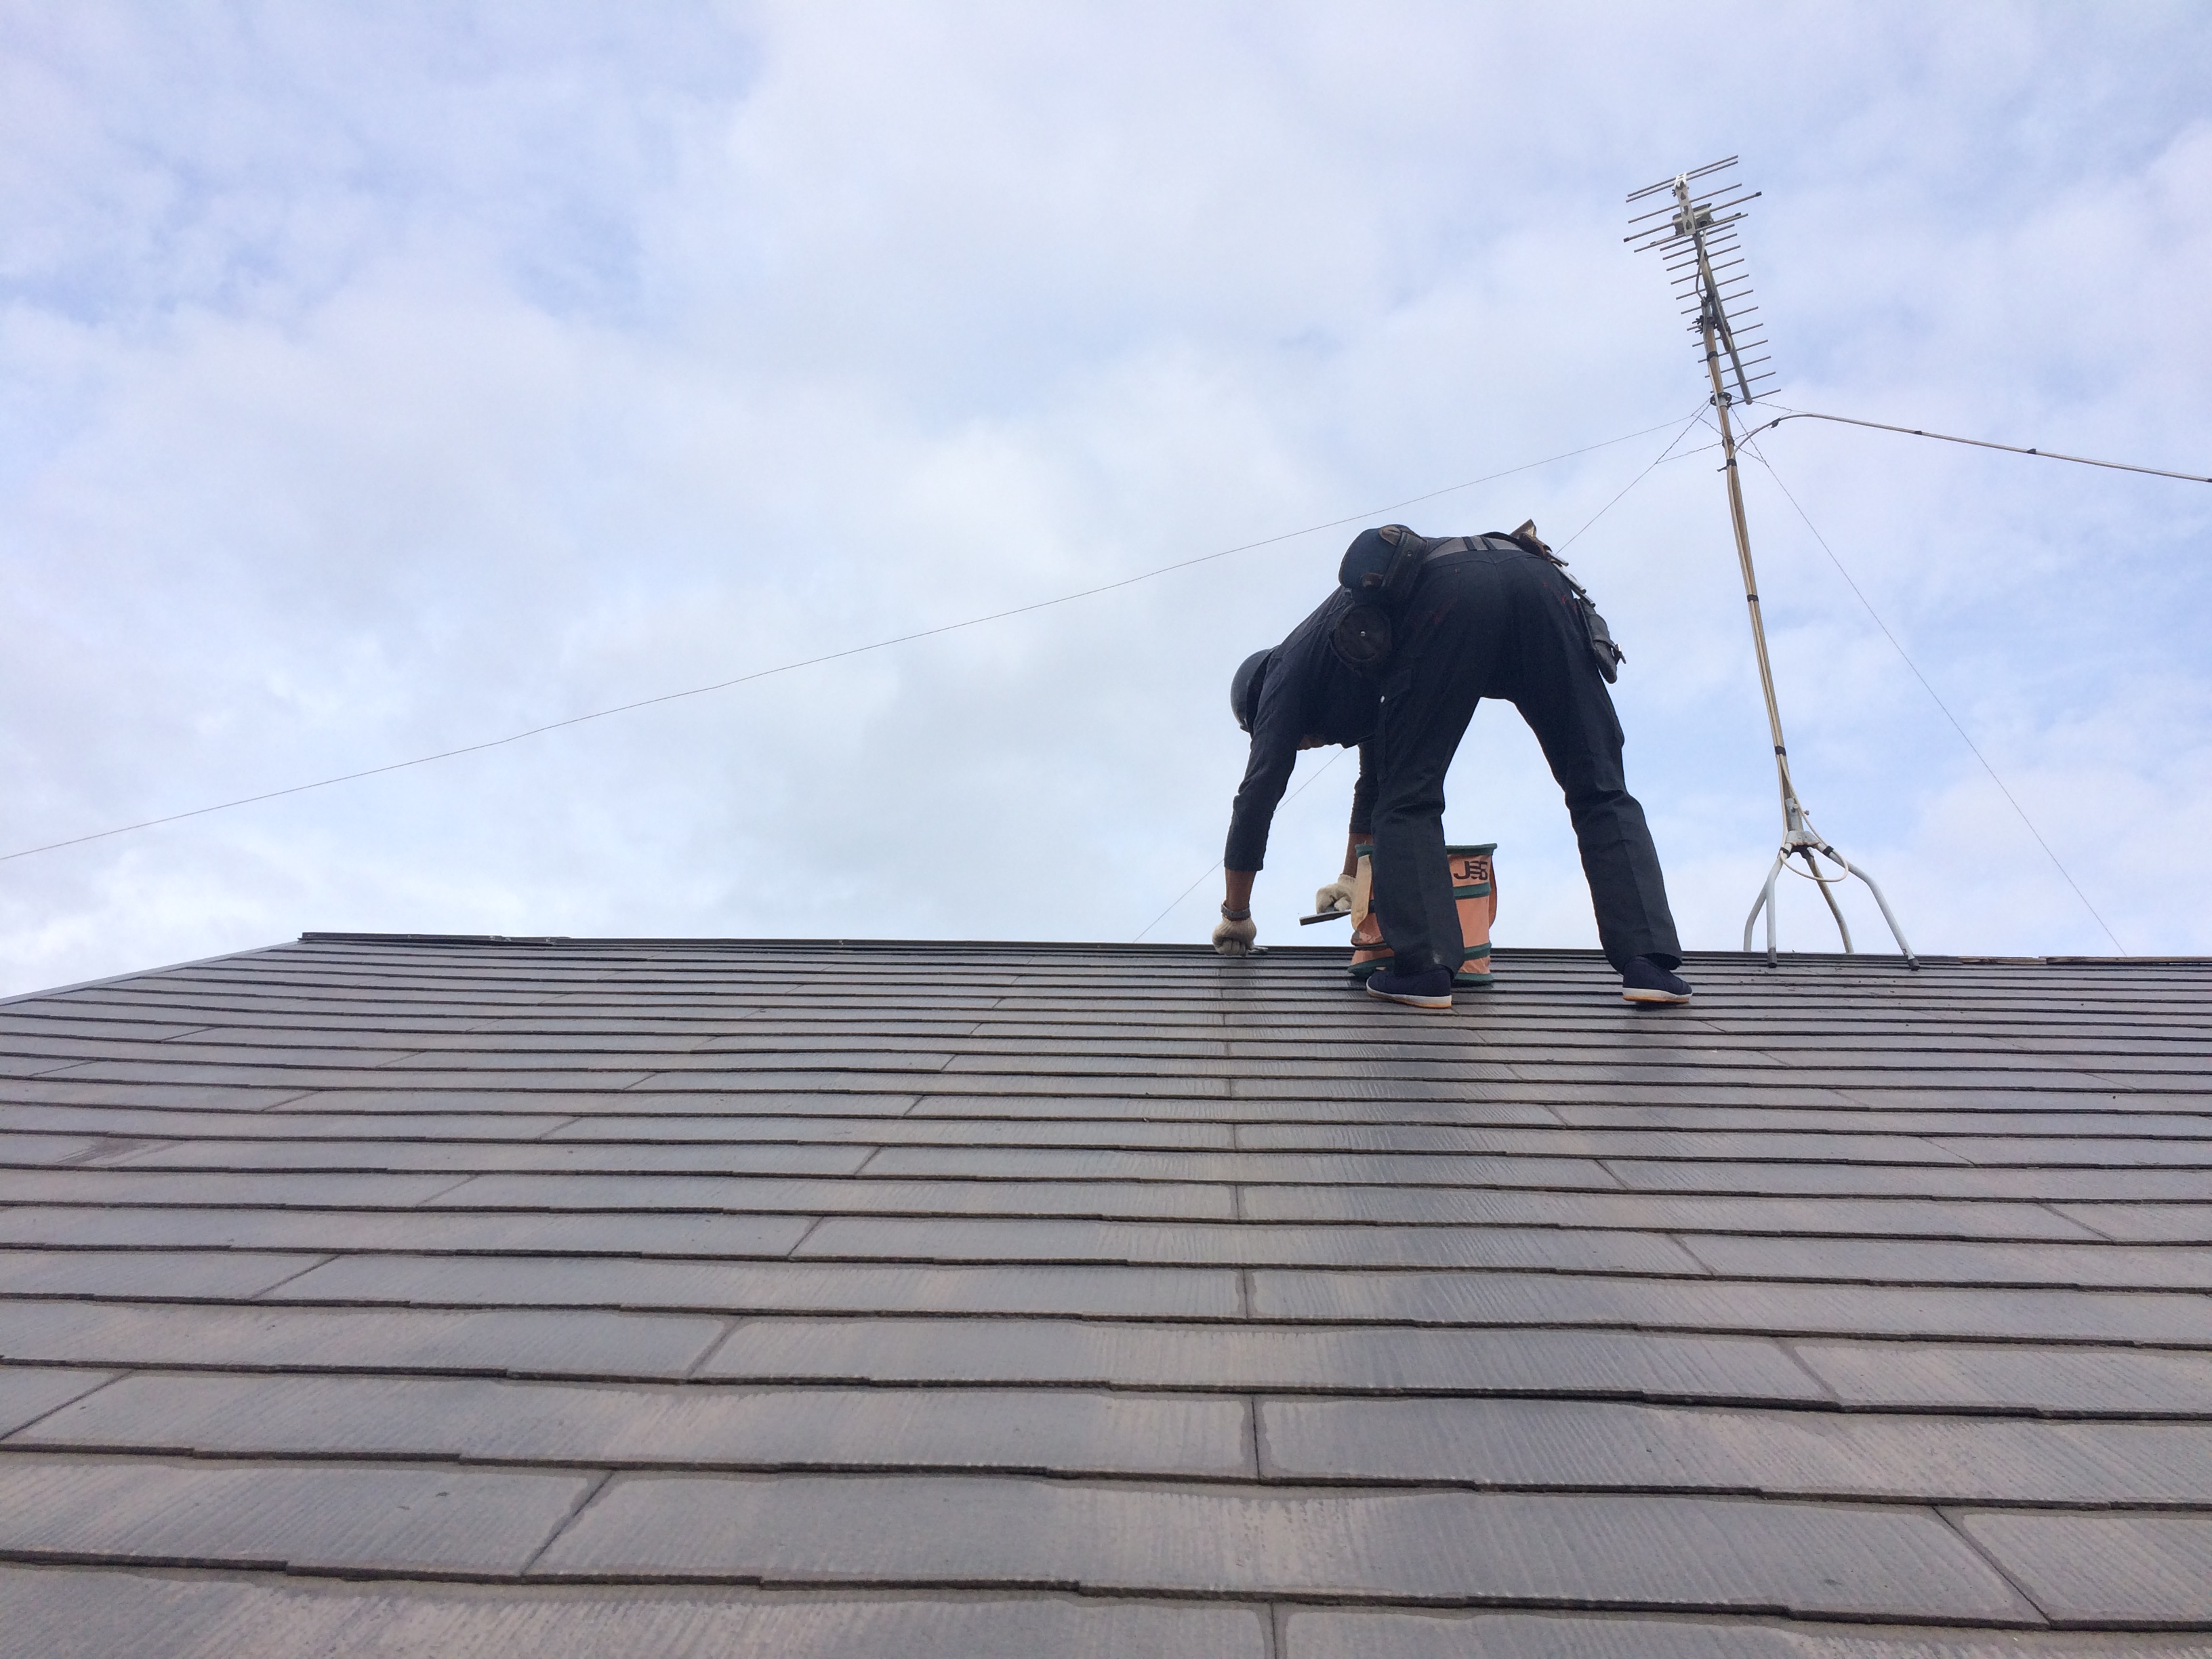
[1492, 624]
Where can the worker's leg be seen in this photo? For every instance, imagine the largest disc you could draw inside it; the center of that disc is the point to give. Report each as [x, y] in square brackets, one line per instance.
[1563, 697]
[1427, 706]
[1412, 885]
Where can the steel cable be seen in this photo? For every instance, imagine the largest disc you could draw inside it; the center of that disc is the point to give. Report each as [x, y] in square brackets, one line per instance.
[1903, 656]
[810, 662]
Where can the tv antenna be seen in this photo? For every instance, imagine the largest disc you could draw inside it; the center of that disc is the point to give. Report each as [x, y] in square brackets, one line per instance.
[1694, 231]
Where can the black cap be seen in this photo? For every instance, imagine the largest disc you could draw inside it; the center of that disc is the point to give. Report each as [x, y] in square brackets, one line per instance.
[1245, 689]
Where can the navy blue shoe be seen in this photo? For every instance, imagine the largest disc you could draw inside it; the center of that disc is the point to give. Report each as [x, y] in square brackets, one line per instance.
[1430, 988]
[1645, 979]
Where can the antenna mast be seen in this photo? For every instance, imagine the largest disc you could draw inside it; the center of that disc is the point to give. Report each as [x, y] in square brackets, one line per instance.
[1695, 233]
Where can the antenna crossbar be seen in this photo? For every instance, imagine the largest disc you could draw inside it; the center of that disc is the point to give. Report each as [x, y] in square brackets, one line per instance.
[1680, 177]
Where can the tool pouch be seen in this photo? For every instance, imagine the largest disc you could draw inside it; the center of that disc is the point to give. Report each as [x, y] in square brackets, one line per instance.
[1609, 656]
[1379, 570]
[1363, 639]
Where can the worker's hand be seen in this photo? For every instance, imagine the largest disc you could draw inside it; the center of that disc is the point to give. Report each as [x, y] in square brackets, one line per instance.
[1337, 895]
[1234, 938]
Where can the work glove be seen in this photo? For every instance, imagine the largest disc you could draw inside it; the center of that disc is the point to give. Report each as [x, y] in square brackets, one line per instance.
[1234, 938]
[1337, 895]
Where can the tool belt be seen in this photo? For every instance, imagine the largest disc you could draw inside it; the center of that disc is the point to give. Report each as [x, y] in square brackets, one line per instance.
[1379, 572]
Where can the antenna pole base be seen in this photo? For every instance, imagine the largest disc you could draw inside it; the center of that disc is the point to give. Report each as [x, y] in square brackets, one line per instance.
[1801, 840]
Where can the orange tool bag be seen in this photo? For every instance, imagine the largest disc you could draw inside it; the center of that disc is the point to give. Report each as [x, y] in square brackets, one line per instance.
[1474, 889]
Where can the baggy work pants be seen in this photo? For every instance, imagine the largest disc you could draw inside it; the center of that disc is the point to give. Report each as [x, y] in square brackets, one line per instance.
[1492, 624]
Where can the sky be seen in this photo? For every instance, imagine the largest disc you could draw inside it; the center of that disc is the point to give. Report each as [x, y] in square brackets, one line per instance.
[378, 381]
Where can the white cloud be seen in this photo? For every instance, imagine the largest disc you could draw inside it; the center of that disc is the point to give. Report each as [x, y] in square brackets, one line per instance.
[379, 382]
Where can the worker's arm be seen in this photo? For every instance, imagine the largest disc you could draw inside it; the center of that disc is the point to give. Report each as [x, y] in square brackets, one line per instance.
[1274, 753]
[1278, 727]
[1284, 723]
[1233, 933]
[1363, 809]
[1337, 895]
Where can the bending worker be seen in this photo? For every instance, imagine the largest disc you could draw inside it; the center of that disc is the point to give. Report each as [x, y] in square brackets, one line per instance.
[1478, 617]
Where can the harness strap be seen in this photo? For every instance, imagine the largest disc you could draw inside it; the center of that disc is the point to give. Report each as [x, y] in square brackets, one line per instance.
[1471, 543]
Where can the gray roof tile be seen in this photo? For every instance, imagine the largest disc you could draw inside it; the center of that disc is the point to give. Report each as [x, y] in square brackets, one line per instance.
[1246, 1243]
[1810, 1309]
[465, 1156]
[271, 1516]
[180, 1227]
[758, 1286]
[2019, 1376]
[49, 1611]
[1542, 1444]
[1058, 1431]
[200, 1274]
[876, 1195]
[1449, 1546]
[29, 1392]
[260, 1338]
[1320, 1633]
[1330, 1358]
[2096, 1569]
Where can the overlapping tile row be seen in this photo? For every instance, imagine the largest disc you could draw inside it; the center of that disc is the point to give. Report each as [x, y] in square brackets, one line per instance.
[929, 1298]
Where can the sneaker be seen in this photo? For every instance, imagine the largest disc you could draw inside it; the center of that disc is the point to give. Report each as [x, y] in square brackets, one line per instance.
[1430, 988]
[1645, 981]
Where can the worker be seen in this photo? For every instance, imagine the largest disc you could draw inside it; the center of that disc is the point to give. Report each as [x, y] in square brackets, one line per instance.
[1489, 615]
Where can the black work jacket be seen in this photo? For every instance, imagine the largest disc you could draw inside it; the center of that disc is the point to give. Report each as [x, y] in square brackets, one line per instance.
[1307, 691]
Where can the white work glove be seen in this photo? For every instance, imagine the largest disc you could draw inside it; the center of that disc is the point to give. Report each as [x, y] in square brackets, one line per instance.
[1337, 895]
[1234, 938]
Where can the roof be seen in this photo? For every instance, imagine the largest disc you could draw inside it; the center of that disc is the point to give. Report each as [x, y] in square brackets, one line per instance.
[383, 1294]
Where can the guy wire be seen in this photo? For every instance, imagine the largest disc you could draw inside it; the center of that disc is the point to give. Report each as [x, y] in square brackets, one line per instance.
[1633, 481]
[1978, 443]
[810, 662]
[1753, 449]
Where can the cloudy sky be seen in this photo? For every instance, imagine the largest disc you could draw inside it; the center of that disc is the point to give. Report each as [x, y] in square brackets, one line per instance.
[376, 381]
